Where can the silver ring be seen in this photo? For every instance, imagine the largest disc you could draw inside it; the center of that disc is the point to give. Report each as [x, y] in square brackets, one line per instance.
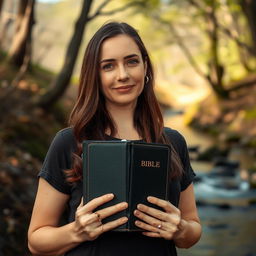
[159, 226]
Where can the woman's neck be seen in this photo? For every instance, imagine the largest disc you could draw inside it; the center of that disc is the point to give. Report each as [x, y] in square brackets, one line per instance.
[123, 118]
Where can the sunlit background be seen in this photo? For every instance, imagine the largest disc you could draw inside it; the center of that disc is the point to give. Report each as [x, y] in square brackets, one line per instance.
[204, 55]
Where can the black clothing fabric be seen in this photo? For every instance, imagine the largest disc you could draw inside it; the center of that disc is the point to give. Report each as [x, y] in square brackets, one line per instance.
[58, 158]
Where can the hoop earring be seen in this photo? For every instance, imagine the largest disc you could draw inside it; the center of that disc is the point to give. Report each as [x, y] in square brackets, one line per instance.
[147, 79]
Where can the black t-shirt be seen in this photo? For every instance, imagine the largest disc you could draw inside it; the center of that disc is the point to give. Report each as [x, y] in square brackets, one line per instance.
[58, 158]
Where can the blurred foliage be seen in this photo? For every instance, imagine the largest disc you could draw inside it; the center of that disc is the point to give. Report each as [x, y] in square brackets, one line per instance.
[250, 113]
[27, 130]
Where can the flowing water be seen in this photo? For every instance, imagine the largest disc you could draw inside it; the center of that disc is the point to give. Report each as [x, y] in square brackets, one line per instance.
[229, 232]
[228, 220]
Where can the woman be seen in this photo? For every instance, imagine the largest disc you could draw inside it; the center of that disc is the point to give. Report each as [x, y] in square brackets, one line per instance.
[115, 101]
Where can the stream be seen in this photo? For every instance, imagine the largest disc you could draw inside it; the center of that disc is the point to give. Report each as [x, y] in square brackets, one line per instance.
[228, 216]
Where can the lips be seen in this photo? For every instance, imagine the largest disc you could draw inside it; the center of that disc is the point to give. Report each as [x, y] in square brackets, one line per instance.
[123, 87]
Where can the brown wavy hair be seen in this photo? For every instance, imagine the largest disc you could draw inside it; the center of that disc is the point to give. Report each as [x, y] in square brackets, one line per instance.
[90, 118]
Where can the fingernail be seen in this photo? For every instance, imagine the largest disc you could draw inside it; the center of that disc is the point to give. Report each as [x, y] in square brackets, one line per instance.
[110, 195]
[137, 223]
[123, 205]
[139, 206]
[124, 219]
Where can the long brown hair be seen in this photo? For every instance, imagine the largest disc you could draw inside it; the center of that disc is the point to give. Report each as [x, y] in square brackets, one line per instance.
[90, 118]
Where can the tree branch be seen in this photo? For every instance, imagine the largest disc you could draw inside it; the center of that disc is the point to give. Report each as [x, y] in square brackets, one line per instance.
[119, 9]
[183, 47]
[196, 4]
[98, 11]
[245, 83]
[223, 29]
[227, 32]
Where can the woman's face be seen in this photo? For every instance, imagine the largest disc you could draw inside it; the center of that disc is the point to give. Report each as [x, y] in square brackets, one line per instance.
[122, 71]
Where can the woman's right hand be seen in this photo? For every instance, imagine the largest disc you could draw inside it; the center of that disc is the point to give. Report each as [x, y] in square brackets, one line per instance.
[88, 226]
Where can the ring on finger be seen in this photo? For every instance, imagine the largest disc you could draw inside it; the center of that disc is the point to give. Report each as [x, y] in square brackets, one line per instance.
[159, 226]
[98, 216]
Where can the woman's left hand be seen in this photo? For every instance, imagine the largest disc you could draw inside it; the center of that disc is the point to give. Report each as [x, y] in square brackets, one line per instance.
[158, 223]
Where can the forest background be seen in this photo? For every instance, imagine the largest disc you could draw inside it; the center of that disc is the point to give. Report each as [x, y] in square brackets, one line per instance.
[204, 53]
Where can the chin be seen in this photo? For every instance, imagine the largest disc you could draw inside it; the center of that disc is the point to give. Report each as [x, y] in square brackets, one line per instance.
[123, 103]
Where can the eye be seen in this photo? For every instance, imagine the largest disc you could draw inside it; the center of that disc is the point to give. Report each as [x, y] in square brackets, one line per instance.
[107, 67]
[133, 62]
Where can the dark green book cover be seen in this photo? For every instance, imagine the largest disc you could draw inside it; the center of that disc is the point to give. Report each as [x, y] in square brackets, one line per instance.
[128, 169]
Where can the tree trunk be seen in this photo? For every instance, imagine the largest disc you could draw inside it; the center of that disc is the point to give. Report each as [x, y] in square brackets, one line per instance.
[249, 9]
[28, 49]
[216, 70]
[60, 84]
[26, 60]
[6, 22]
[22, 37]
[1, 6]
[20, 14]
[243, 52]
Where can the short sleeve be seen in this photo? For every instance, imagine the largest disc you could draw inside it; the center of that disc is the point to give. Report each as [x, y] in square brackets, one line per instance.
[58, 159]
[180, 146]
[189, 174]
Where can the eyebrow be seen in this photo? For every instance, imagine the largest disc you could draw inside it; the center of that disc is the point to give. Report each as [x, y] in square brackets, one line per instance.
[126, 57]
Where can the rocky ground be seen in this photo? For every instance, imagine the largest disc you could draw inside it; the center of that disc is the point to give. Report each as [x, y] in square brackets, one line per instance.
[25, 134]
[232, 122]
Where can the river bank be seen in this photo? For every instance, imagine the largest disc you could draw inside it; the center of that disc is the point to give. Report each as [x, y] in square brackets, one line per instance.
[228, 223]
[229, 232]
[232, 122]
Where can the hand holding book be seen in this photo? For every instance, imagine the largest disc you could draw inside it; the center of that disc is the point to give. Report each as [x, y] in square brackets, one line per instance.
[88, 225]
[158, 223]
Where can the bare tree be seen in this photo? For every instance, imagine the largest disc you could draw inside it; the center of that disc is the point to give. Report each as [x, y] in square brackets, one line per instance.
[235, 31]
[20, 14]
[214, 75]
[216, 70]
[28, 44]
[27, 54]
[217, 73]
[7, 18]
[60, 84]
[21, 44]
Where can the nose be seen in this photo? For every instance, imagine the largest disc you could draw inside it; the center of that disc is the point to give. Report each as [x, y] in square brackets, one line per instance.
[122, 73]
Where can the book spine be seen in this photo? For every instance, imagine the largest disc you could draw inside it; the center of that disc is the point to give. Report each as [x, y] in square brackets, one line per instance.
[85, 167]
[129, 186]
[128, 175]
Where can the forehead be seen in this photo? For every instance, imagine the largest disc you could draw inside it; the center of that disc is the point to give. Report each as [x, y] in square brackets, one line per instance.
[118, 46]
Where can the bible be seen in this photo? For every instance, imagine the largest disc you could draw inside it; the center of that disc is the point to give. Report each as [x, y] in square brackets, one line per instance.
[131, 170]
